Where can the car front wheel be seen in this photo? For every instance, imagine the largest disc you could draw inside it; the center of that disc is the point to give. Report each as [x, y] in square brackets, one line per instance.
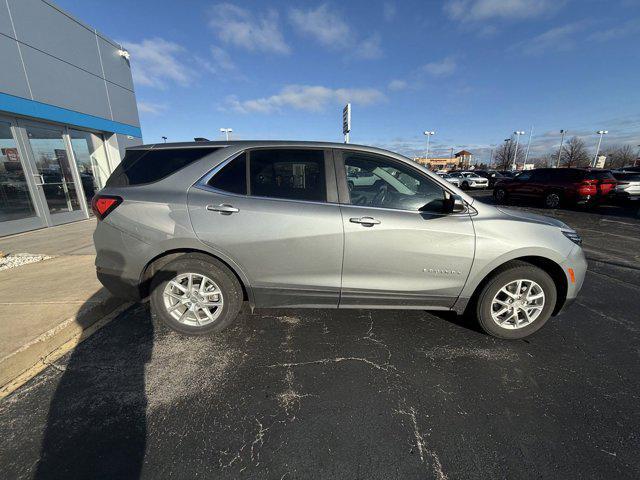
[195, 295]
[516, 302]
[500, 195]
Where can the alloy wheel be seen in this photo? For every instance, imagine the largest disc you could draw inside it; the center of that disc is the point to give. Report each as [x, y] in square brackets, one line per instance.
[552, 200]
[517, 304]
[193, 299]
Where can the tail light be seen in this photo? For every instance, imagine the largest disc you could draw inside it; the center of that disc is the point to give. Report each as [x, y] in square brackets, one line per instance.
[607, 185]
[103, 205]
[588, 187]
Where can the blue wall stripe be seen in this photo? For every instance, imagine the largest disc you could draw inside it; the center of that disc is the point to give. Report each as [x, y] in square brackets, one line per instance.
[32, 108]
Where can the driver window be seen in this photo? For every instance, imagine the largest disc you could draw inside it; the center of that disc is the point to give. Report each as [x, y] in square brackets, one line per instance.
[377, 182]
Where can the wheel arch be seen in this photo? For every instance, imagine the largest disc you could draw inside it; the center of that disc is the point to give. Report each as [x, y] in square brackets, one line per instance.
[160, 260]
[555, 271]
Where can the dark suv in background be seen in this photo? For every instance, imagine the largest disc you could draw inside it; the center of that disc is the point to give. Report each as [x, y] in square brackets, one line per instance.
[492, 175]
[558, 186]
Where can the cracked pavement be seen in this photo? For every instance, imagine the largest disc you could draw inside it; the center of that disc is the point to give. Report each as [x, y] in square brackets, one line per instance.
[349, 394]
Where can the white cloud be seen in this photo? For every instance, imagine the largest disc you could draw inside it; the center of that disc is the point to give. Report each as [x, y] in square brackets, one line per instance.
[443, 68]
[326, 27]
[219, 63]
[555, 39]
[151, 107]
[389, 11]
[312, 98]
[397, 85]
[632, 27]
[242, 28]
[155, 62]
[482, 10]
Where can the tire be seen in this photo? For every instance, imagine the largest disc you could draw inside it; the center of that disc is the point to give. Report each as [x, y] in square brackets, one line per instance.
[510, 275]
[220, 279]
[464, 186]
[500, 195]
[552, 200]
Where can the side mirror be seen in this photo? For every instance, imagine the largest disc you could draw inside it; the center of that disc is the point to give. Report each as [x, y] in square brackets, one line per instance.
[454, 204]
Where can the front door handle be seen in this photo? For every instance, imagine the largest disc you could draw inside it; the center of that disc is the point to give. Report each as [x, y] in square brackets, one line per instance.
[366, 221]
[224, 209]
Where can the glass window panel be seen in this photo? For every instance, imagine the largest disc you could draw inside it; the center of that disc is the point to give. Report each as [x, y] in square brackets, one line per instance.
[52, 164]
[91, 159]
[15, 200]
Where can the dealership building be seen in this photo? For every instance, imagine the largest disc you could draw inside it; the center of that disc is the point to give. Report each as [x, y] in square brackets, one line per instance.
[67, 112]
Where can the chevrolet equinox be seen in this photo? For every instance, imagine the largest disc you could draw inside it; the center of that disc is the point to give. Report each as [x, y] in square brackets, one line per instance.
[198, 228]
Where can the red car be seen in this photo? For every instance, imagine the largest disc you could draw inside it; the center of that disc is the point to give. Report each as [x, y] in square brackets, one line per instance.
[557, 186]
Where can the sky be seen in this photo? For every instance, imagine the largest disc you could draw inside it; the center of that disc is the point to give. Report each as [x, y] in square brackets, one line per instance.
[473, 71]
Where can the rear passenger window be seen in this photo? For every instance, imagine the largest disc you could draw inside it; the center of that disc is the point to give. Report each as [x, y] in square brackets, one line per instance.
[293, 174]
[148, 166]
[232, 177]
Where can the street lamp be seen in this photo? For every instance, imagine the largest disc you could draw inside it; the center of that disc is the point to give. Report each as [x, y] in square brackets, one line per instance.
[428, 134]
[517, 133]
[226, 132]
[164, 139]
[601, 133]
[562, 132]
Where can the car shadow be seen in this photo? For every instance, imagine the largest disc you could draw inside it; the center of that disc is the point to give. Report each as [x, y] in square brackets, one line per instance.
[96, 425]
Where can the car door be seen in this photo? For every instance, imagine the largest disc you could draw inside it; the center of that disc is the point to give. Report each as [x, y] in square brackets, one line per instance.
[521, 186]
[400, 250]
[274, 213]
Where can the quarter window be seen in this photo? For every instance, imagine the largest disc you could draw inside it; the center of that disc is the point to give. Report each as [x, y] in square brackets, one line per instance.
[376, 182]
[294, 174]
[232, 177]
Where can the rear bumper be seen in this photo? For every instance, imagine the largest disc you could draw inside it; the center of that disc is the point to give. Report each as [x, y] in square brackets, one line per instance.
[117, 285]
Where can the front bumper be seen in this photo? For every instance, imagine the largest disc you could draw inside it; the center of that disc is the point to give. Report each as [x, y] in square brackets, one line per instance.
[577, 262]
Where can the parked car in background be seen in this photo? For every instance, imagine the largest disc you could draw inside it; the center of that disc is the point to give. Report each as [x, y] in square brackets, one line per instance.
[452, 180]
[628, 187]
[491, 175]
[557, 186]
[199, 228]
[470, 180]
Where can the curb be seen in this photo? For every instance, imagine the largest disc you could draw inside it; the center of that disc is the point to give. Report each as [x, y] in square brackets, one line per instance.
[22, 365]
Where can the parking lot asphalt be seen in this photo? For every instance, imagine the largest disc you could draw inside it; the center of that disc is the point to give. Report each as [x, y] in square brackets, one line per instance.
[351, 394]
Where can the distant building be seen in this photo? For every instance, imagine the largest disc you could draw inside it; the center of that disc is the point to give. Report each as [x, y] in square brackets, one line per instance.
[464, 159]
[460, 161]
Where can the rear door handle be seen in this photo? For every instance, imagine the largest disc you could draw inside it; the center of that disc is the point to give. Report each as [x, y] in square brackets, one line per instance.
[366, 221]
[224, 209]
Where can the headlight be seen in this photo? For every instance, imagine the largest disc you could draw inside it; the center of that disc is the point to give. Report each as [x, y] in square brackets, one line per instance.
[573, 236]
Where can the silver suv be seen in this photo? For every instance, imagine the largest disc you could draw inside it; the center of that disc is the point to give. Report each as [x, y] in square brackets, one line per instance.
[198, 228]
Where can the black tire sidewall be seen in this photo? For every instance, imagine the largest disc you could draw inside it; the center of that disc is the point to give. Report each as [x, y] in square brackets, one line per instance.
[216, 271]
[546, 195]
[504, 196]
[529, 272]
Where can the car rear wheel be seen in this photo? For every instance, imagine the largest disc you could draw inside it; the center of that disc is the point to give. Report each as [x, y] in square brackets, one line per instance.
[464, 186]
[552, 200]
[195, 295]
[516, 302]
[500, 195]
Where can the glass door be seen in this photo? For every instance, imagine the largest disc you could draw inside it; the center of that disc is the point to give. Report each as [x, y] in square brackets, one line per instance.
[54, 174]
[18, 211]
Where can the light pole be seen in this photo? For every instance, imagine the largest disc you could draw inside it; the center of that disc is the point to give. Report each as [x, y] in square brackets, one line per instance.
[526, 155]
[601, 133]
[226, 132]
[428, 134]
[517, 133]
[164, 139]
[562, 132]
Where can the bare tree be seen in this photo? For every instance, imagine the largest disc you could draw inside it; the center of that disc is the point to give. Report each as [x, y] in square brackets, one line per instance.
[620, 156]
[574, 154]
[503, 155]
[544, 161]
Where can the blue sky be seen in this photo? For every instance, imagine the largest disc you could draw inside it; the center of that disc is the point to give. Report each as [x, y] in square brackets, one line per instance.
[472, 70]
